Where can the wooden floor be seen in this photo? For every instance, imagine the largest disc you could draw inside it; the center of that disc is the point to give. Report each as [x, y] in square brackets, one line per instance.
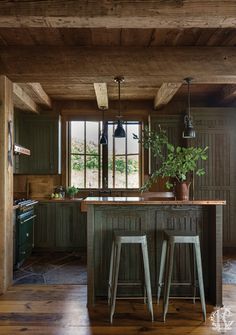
[61, 310]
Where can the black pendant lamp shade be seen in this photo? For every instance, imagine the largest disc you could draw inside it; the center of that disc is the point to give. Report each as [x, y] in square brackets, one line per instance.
[103, 138]
[189, 131]
[119, 131]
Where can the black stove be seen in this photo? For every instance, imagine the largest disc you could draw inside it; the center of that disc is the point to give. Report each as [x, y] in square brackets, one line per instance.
[23, 230]
[24, 202]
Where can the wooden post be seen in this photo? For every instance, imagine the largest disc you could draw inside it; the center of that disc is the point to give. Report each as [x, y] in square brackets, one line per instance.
[6, 184]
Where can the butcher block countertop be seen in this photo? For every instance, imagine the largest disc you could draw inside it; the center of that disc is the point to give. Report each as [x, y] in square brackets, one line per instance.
[122, 201]
[147, 201]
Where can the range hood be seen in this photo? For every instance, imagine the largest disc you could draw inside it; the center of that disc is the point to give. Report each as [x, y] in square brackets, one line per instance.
[19, 150]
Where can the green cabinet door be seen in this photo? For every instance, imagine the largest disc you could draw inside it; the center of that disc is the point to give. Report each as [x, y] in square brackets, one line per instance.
[67, 234]
[40, 134]
[44, 229]
[60, 226]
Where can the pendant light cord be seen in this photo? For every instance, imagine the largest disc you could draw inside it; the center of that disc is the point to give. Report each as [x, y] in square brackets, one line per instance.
[119, 96]
[189, 98]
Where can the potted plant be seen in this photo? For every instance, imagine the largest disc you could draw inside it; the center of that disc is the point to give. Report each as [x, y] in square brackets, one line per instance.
[71, 191]
[175, 162]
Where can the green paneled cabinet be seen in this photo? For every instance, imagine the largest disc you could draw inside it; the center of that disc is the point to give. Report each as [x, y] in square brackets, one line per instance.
[60, 226]
[40, 134]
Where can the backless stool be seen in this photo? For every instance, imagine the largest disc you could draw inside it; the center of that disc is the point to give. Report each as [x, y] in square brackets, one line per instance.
[121, 237]
[170, 239]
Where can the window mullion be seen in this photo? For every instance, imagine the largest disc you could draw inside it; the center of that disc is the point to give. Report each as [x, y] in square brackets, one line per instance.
[126, 159]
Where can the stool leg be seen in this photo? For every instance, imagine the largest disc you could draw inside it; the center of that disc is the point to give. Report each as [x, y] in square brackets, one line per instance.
[200, 278]
[162, 268]
[111, 272]
[192, 269]
[147, 277]
[169, 269]
[115, 279]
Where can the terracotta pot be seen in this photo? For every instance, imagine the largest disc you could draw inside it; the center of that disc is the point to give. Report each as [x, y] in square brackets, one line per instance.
[182, 190]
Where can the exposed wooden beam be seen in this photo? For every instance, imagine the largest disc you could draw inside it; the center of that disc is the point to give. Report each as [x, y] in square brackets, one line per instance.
[165, 93]
[227, 94]
[37, 94]
[118, 14]
[73, 64]
[23, 101]
[101, 95]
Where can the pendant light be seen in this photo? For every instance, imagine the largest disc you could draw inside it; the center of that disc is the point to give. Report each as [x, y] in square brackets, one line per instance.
[119, 131]
[103, 138]
[189, 131]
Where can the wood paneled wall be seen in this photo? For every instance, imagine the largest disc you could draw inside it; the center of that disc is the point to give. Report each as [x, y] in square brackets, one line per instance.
[215, 128]
[6, 184]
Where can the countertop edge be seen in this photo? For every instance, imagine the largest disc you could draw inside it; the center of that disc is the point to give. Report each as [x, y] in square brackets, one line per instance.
[105, 201]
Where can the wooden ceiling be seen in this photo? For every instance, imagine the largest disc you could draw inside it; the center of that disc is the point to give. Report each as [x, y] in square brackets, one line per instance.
[68, 47]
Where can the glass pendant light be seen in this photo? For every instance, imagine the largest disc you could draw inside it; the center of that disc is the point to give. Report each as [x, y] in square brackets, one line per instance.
[189, 131]
[103, 138]
[119, 131]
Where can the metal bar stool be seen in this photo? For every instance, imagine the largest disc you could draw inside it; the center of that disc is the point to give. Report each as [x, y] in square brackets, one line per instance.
[171, 238]
[121, 237]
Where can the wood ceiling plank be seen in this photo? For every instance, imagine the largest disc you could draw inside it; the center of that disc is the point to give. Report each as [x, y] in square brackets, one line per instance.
[136, 37]
[15, 36]
[46, 36]
[218, 37]
[106, 37]
[204, 64]
[74, 36]
[110, 14]
[23, 101]
[165, 93]
[101, 95]
[187, 37]
[37, 93]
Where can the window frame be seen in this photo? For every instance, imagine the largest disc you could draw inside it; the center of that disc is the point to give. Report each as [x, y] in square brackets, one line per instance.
[103, 156]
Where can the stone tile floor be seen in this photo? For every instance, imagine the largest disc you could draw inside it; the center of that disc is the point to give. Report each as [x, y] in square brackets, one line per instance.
[53, 268]
[70, 268]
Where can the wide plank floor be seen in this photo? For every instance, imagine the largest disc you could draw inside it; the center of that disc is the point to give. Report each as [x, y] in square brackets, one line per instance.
[61, 310]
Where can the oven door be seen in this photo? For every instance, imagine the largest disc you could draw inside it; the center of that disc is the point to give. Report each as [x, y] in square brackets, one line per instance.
[25, 235]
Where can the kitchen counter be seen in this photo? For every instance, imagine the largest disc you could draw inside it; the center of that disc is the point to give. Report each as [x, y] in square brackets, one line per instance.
[147, 201]
[125, 201]
[106, 214]
[58, 200]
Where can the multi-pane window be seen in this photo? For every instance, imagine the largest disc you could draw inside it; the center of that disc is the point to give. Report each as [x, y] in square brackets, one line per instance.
[117, 165]
[124, 157]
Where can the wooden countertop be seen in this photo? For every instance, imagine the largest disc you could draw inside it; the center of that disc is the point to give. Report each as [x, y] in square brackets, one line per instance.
[58, 200]
[148, 201]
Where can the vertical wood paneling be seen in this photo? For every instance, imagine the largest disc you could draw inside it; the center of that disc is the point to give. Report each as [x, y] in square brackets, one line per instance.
[152, 220]
[215, 128]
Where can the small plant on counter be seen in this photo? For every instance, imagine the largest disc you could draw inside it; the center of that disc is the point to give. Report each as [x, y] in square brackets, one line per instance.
[71, 191]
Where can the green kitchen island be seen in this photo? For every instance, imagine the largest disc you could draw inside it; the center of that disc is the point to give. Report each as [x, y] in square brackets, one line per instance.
[106, 214]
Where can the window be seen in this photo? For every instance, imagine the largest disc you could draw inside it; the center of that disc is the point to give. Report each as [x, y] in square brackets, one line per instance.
[117, 165]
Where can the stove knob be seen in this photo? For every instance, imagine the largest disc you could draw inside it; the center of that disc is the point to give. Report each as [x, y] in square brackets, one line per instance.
[27, 234]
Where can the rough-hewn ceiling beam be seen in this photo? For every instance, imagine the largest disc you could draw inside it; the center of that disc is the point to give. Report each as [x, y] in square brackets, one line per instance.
[72, 64]
[117, 14]
[101, 95]
[165, 93]
[23, 101]
[37, 93]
